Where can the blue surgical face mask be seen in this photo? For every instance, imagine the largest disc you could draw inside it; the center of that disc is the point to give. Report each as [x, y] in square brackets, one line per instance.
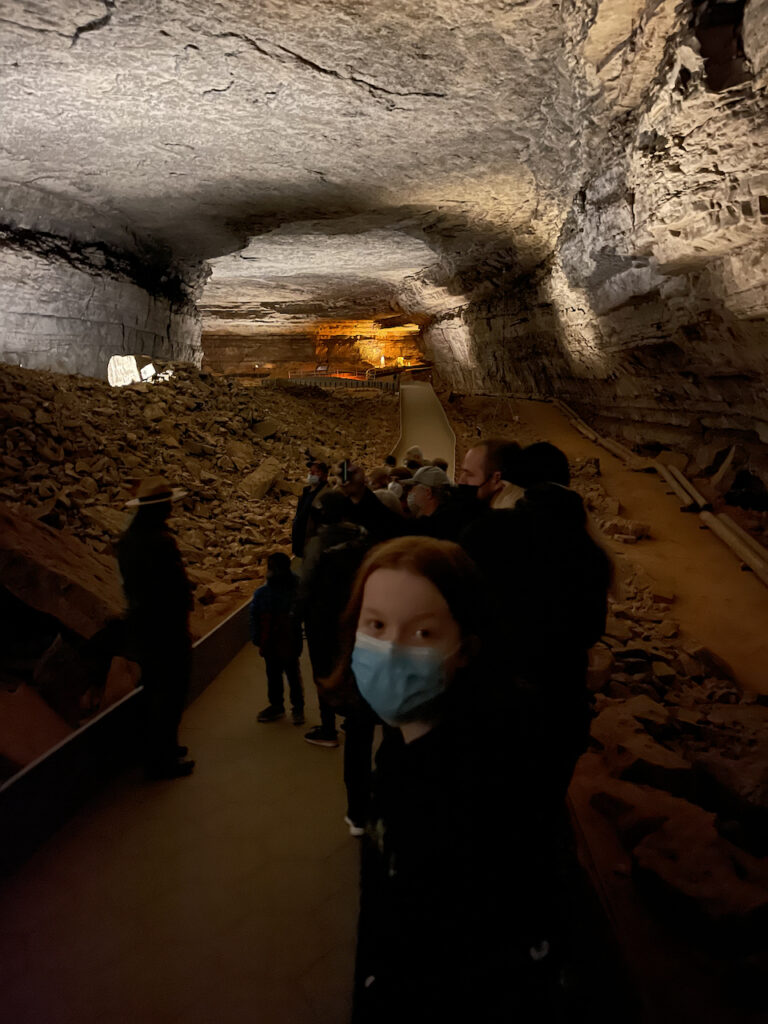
[396, 681]
[313, 479]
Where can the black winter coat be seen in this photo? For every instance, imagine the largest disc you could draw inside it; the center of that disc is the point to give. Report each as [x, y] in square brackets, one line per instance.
[303, 522]
[456, 881]
[156, 586]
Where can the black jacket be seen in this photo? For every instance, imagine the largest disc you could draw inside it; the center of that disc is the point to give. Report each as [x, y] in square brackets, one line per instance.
[455, 883]
[303, 522]
[331, 561]
[275, 626]
[547, 578]
[156, 586]
[379, 522]
[450, 519]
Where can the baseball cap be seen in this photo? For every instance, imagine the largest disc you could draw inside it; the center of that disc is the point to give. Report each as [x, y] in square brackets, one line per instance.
[431, 476]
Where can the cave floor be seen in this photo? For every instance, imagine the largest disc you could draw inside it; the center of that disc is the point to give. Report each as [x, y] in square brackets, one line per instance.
[228, 896]
[716, 604]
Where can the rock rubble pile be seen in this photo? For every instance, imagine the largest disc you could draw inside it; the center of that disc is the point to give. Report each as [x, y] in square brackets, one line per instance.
[73, 449]
[680, 759]
[71, 452]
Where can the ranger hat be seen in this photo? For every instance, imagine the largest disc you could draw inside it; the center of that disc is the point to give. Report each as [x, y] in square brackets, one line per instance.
[152, 490]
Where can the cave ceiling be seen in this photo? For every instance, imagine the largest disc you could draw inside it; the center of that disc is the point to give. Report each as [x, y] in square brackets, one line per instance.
[309, 149]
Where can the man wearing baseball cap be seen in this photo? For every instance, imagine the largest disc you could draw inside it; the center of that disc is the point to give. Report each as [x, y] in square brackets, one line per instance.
[438, 511]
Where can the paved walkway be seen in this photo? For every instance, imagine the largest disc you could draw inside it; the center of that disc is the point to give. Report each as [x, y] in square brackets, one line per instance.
[227, 897]
[423, 422]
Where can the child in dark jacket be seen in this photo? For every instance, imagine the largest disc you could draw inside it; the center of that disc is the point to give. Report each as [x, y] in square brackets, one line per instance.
[276, 631]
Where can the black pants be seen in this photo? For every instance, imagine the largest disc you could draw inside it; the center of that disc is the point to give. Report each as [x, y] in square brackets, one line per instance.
[165, 671]
[322, 655]
[275, 669]
[358, 751]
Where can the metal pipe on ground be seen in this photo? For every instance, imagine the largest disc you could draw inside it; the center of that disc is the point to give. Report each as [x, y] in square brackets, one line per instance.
[625, 454]
[589, 434]
[739, 547]
[688, 503]
[760, 550]
[686, 484]
[577, 421]
[619, 450]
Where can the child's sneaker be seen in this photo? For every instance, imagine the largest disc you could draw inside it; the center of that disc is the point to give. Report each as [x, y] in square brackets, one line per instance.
[297, 717]
[320, 738]
[271, 714]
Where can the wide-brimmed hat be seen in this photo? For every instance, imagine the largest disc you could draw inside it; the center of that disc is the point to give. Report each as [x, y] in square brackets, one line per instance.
[152, 490]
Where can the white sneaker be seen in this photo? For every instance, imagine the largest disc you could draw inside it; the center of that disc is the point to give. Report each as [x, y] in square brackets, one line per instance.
[354, 830]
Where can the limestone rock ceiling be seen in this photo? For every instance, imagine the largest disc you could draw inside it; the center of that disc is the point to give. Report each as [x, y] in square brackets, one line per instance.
[336, 146]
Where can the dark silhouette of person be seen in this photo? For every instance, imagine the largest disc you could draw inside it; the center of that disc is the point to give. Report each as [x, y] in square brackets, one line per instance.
[276, 631]
[159, 599]
[305, 521]
[365, 509]
[548, 581]
[540, 463]
[331, 560]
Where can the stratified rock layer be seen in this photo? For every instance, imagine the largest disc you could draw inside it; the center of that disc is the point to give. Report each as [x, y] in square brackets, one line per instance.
[651, 316]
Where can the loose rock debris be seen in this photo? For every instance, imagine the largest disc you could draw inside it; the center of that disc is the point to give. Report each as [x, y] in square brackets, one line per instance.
[71, 451]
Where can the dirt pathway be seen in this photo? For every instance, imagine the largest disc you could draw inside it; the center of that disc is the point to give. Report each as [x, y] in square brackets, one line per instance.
[716, 603]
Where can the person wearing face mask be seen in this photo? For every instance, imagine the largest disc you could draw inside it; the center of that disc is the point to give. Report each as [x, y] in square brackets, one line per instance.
[454, 922]
[487, 473]
[305, 521]
[437, 509]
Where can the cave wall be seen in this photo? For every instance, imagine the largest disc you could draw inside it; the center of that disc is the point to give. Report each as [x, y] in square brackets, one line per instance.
[281, 339]
[652, 316]
[238, 347]
[72, 297]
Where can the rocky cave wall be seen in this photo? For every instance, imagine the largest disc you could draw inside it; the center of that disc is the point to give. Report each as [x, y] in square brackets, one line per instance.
[652, 315]
[280, 340]
[75, 292]
[241, 346]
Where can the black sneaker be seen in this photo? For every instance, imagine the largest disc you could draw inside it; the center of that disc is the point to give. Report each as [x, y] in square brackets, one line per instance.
[320, 738]
[271, 714]
[297, 716]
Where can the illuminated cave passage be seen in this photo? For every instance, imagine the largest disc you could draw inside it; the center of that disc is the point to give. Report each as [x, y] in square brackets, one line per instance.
[554, 201]
[297, 344]
[590, 225]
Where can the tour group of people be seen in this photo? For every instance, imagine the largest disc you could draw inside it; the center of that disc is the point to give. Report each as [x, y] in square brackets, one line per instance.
[457, 617]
